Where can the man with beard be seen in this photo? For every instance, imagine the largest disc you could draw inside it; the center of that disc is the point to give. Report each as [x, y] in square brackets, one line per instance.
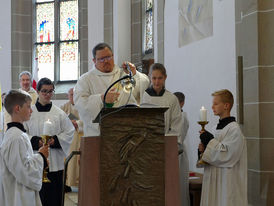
[90, 88]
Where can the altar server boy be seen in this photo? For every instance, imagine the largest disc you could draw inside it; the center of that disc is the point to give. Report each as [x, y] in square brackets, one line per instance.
[20, 169]
[225, 171]
[61, 130]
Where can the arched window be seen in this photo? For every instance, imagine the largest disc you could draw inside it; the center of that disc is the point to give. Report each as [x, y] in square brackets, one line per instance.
[57, 39]
[148, 44]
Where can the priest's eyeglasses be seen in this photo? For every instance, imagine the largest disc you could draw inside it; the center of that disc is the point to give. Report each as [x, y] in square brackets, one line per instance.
[103, 59]
[44, 91]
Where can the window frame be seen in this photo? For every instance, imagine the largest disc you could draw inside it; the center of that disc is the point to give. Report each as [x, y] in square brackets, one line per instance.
[145, 11]
[57, 41]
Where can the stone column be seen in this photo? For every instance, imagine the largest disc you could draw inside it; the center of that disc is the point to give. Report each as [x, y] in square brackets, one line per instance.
[255, 42]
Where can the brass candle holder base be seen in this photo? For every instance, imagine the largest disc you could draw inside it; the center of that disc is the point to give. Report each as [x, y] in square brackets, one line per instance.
[45, 179]
[203, 124]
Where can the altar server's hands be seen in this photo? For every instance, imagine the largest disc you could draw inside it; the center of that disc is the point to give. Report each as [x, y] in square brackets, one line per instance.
[44, 150]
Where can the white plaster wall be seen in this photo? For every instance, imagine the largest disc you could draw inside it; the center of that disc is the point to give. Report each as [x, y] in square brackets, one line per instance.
[95, 26]
[121, 31]
[5, 43]
[202, 67]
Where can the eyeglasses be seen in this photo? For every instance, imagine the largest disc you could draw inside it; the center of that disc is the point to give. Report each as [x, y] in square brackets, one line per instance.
[44, 91]
[103, 59]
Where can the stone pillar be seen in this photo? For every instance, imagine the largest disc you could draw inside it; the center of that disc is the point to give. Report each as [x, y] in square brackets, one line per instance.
[21, 39]
[108, 22]
[255, 42]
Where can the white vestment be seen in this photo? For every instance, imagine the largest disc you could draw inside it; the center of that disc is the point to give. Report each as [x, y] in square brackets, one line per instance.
[73, 166]
[20, 170]
[225, 176]
[184, 163]
[173, 117]
[61, 127]
[90, 87]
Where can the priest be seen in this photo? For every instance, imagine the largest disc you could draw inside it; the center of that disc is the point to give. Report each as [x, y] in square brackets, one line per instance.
[90, 88]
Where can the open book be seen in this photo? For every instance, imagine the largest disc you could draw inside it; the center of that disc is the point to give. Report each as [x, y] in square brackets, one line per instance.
[72, 117]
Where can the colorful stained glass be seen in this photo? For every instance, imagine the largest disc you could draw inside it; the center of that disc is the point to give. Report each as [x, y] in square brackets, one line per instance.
[69, 61]
[149, 4]
[69, 20]
[45, 22]
[40, 1]
[149, 31]
[45, 55]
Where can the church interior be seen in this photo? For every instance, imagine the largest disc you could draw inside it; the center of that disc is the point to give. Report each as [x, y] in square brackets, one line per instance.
[220, 44]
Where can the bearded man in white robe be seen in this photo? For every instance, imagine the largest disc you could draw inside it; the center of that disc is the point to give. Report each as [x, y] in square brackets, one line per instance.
[90, 88]
[73, 166]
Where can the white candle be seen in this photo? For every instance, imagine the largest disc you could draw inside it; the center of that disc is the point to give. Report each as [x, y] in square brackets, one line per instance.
[203, 114]
[47, 128]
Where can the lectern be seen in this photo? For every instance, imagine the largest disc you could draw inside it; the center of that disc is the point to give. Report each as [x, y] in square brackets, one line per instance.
[132, 163]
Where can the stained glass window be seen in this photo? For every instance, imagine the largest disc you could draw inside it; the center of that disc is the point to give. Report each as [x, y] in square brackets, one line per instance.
[45, 22]
[68, 60]
[40, 1]
[149, 26]
[57, 42]
[45, 54]
[69, 20]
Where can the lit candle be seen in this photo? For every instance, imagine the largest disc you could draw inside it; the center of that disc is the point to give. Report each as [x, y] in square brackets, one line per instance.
[47, 128]
[203, 113]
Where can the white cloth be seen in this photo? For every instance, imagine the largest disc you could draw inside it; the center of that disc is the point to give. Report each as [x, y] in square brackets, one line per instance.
[20, 170]
[173, 117]
[225, 176]
[62, 128]
[90, 87]
[73, 166]
[184, 163]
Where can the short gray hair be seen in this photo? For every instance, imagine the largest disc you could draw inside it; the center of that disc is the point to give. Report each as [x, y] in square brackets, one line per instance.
[25, 73]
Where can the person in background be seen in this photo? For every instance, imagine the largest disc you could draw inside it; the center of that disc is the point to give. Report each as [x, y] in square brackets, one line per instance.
[73, 166]
[157, 94]
[25, 80]
[225, 157]
[20, 169]
[183, 158]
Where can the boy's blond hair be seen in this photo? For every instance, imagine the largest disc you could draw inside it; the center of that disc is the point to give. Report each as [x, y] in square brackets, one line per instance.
[15, 97]
[226, 96]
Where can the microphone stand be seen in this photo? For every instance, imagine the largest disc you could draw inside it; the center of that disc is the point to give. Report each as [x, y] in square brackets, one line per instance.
[122, 78]
[129, 76]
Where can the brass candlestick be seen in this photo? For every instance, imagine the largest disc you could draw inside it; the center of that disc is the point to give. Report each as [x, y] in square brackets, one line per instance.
[203, 124]
[200, 162]
[45, 179]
